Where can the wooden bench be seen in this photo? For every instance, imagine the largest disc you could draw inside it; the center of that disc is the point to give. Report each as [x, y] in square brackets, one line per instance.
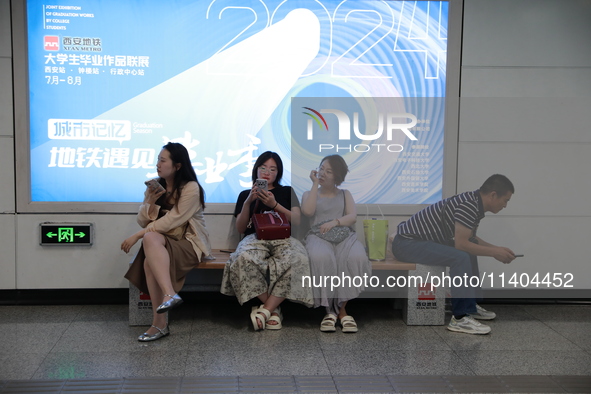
[421, 307]
[221, 257]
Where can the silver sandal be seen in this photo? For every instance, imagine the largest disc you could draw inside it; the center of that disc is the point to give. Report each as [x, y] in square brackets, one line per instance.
[145, 337]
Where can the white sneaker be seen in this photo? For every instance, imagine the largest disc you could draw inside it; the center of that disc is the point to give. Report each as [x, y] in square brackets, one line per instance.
[482, 314]
[468, 325]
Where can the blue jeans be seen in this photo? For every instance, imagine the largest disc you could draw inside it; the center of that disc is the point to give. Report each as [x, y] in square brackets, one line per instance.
[463, 300]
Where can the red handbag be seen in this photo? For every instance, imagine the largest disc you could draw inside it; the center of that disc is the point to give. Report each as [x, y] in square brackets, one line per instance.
[271, 225]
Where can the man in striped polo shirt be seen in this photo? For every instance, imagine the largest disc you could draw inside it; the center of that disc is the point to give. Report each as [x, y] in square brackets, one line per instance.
[444, 234]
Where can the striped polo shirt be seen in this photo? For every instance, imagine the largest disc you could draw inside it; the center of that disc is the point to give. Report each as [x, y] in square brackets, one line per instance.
[427, 224]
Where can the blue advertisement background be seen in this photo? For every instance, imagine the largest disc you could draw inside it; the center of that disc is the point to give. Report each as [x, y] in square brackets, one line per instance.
[220, 78]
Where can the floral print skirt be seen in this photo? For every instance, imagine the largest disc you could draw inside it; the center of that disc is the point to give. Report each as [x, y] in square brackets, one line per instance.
[274, 266]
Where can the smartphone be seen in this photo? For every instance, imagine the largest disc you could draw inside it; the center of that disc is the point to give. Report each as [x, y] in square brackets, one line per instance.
[518, 255]
[154, 184]
[262, 184]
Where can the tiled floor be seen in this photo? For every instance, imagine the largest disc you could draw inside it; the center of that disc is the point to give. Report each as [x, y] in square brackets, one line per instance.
[214, 338]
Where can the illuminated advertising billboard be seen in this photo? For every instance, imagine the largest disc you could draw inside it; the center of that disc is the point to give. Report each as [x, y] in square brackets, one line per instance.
[111, 82]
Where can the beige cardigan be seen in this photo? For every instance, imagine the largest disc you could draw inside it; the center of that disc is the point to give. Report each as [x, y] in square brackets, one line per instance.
[187, 209]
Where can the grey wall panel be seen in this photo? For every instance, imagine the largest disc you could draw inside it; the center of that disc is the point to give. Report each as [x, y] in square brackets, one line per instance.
[550, 179]
[550, 245]
[8, 254]
[526, 82]
[7, 203]
[540, 33]
[545, 119]
[100, 266]
[5, 36]
[6, 107]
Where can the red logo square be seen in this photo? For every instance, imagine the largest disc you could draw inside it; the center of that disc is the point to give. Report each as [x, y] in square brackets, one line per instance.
[51, 43]
[144, 296]
[425, 292]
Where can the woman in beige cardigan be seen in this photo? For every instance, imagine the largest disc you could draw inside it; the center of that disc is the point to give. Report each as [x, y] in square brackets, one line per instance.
[174, 236]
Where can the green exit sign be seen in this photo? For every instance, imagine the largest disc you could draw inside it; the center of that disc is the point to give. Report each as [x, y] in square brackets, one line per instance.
[79, 234]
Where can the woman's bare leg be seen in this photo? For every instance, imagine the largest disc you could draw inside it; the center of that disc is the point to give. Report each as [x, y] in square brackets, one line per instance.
[343, 312]
[159, 261]
[157, 268]
[158, 319]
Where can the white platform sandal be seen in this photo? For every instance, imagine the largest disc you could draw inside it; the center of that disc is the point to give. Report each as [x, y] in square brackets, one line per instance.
[259, 314]
[328, 323]
[349, 324]
[278, 319]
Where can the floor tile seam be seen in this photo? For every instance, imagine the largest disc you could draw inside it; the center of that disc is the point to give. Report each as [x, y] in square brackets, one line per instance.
[561, 335]
[395, 387]
[392, 387]
[496, 377]
[523, 308]
[187, 349]
[119, 388]
[322, 349]
[557, 381]
[438, 330]
[240, 382]
[50, 351]
[577, 351]
[294, 383]
[139, 351]
[456, 352]
[330, 371]
[180, 381]
[185, 361]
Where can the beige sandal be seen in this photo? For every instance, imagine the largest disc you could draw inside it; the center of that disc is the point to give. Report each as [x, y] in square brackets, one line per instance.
[349, 324]
[278, 319]
[328, 323]
[260, 314]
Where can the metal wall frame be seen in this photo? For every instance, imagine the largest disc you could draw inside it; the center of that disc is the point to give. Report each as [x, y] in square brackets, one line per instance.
[21, 132]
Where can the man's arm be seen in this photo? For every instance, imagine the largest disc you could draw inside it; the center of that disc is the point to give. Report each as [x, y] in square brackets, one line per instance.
[483, 242]
[462, 242]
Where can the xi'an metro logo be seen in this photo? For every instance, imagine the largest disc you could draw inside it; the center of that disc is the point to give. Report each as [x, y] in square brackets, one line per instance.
[426, 292]
[51, 43]
[389, 123]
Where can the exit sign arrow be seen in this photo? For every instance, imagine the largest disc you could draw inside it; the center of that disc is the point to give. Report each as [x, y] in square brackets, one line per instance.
[66, 234]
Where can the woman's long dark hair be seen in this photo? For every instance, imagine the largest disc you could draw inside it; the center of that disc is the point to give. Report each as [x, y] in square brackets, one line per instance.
[262, 159]
[179, 155]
